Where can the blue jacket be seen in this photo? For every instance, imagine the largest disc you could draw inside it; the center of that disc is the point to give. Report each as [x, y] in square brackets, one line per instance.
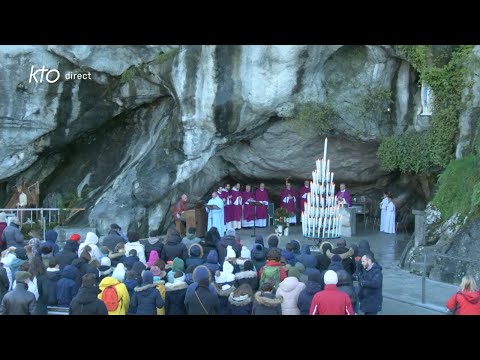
[67, 287]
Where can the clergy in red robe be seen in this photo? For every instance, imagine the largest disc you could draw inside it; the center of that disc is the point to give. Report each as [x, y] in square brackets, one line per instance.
[345, 195]
[228, 207]
[248, 210]
[288, 200]
[261, 212]
[303, 193]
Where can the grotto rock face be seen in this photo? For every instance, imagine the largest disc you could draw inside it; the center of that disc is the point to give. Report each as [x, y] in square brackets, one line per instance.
[156, 121]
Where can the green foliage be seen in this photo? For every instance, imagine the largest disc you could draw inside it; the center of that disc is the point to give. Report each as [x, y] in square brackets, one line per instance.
[415, 54]
[128, 74]
[165, 56]
[476, 196]
[456, 187]
[314, 117]
[403, 152]
[447, 76]
[374, 101]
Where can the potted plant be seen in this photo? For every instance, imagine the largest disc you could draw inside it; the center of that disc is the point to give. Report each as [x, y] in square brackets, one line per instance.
[281, 221]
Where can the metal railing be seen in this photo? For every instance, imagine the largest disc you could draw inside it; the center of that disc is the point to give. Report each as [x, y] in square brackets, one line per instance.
[40, 214]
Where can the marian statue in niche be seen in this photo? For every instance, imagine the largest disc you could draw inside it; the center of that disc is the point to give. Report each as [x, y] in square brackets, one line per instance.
[427, 100]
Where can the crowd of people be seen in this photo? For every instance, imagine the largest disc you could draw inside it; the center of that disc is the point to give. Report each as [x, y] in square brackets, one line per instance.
[185, 276]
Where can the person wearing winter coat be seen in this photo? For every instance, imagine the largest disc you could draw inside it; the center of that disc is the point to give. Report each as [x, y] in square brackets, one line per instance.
[175, 295]
[313, 286]
[67, 254]
[53, 274]
[467, 300]
[147, 298]
[345, 285]
[331, 301]
[212, 262]
[240, 301]
[86, 302]
[173, 247]
[134, 244]
[50, 240]
[39, 277]
[154, 242]
[11, 235]
[91, 239]
[371, 283]
[123, 297]
[200, 300]
[266, 302]
[247, 276]
[195, 256]
[67, 287]
[290, 289]
[19, 301]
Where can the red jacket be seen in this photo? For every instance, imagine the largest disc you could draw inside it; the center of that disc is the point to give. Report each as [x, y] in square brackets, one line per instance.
[331, 301]
[468, 303]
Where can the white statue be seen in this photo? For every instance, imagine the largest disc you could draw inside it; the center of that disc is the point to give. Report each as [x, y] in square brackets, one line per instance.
[427, 99]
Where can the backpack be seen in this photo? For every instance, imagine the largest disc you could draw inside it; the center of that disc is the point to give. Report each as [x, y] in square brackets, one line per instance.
[270, 272]
[110, 298]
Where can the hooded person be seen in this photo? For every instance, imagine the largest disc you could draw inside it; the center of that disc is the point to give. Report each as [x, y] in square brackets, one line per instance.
[258, 256]
[122, 295]
[200, 275]
[152, 258]
[91, 239]
[175, 295]
[174, 247]
[12, 235]
[50, 239]
[154, 242]
[195, 253]
[266, 302]
[201, 297]
[212, 262]
[86, 302]
[272, 241]
[178, 265]
[247, 276]
[290, 288]
[134, 244]
[313, 286]
[240, 301]
[245, 255]
[119, 272]
[147, 298]
[191, 237]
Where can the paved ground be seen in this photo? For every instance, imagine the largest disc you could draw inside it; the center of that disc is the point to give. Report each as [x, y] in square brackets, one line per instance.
[402, 290]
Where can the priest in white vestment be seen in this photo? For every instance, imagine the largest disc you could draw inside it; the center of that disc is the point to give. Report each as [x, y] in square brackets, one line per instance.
[216, 216]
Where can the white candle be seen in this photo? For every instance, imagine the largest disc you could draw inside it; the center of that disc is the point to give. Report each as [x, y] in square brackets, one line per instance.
[325, 148]
[328, 165]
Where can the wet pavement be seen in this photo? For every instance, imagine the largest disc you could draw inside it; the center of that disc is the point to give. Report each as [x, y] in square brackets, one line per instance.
[402, 291]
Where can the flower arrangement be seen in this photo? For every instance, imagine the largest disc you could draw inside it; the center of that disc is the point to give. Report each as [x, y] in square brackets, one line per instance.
[281, 217]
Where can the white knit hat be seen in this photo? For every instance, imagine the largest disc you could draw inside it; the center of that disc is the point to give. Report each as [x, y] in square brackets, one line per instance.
[224, 278]
[230, 252]
[330, 277]
[227, 267]
[105, 261]
[245, 254]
